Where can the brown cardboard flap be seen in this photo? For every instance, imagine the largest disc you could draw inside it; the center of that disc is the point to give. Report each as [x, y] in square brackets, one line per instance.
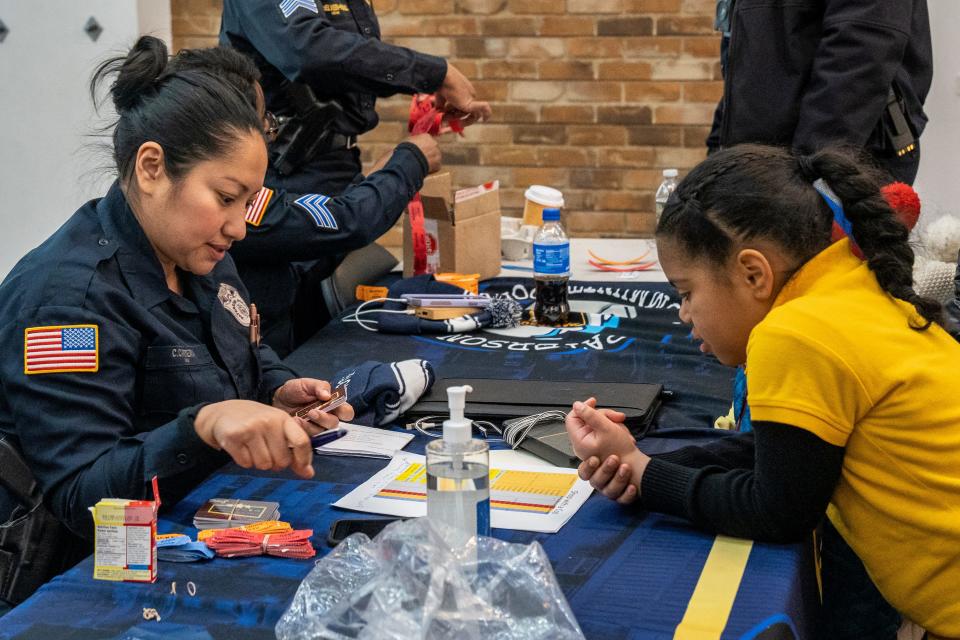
[482, 204]
[436, 196]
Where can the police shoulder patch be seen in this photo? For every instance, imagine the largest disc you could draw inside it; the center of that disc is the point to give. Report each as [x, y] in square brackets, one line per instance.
[61, 349]
[258, 207]
[316, 205]
[288, 7]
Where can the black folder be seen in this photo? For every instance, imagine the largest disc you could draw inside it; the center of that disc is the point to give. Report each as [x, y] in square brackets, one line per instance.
[498, 400]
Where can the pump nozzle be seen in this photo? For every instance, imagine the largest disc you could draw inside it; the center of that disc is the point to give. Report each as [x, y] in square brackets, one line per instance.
[457, 427]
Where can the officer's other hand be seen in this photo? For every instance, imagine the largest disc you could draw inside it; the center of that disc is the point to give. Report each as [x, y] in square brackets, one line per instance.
[458, 98]
[430, 149]
[256, 435]
[298, 392]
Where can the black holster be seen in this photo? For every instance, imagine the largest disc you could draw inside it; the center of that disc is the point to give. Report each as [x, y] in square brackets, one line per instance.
[305, 135]
[31, 550]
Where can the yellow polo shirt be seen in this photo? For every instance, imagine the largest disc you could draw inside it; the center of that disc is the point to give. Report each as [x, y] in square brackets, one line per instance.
[835, 356]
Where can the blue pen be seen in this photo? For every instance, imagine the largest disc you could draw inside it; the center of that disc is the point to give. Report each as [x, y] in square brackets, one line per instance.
[327, 437]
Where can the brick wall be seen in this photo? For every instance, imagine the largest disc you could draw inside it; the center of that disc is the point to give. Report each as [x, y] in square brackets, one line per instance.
[593, 97]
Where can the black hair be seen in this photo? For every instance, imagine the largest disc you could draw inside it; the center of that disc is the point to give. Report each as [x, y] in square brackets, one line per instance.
[191, 113]
[754, 192]
[224, 62]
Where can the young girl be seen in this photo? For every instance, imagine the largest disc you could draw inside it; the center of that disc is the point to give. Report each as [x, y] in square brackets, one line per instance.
[130, 349]
[852, 381]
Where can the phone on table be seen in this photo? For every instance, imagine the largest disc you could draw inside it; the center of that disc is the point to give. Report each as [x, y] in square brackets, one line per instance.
[446, 300]
[343, 528]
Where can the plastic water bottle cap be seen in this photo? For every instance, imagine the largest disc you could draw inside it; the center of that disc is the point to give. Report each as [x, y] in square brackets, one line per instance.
[670, 173]
[551, 215]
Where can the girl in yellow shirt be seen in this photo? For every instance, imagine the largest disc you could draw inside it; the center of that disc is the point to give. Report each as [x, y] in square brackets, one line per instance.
[852, 378]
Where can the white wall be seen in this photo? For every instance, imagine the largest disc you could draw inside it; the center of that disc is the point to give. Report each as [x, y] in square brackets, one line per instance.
[938, 181]
[48, 162]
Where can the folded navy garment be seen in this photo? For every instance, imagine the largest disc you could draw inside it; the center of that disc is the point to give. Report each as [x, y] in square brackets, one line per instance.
[380, 392]
[502, 311]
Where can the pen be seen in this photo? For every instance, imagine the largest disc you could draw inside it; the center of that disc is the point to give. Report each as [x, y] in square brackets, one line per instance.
[254, 325]
[327, 437]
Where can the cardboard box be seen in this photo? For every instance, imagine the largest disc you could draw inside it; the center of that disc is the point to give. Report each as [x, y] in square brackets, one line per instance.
[125, 543]
[462, 229]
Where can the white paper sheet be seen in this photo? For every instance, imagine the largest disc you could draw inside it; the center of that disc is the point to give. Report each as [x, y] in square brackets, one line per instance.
[365, 442]
[400, 490]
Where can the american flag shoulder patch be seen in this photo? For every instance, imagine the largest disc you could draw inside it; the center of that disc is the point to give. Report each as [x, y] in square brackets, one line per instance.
[259, 207]
[61, 349]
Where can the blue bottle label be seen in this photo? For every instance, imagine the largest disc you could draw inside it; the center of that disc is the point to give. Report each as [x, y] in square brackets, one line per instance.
[551, 258]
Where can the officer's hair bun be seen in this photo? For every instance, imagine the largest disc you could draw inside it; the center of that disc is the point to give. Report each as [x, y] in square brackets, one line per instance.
[137, 73]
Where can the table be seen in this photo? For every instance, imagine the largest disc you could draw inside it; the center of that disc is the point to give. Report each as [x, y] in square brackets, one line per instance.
[626, 574]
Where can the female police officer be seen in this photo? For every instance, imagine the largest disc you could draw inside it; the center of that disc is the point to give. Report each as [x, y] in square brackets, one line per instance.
[127, 342]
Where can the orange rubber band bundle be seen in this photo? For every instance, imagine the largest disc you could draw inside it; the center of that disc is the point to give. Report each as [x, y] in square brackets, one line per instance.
[234, 543]
[265, 527]
[624, 266]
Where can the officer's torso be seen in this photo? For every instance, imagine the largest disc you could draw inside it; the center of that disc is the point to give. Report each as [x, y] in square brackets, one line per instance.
[353, 16]
[185, 349]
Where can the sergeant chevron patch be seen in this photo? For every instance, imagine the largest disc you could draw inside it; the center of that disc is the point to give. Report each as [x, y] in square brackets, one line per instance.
[315, 205]
[287, 7]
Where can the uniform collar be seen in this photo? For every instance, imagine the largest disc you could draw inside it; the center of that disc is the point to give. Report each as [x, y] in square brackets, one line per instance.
[833, 262]
[137, 260]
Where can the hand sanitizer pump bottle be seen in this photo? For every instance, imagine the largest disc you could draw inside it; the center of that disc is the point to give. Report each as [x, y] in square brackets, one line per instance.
[458, 477]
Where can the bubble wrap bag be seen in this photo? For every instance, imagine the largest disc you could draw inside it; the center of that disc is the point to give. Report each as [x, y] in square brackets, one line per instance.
[407, 583]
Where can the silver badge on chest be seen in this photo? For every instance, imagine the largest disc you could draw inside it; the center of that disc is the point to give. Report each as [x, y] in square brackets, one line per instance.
[230, 299]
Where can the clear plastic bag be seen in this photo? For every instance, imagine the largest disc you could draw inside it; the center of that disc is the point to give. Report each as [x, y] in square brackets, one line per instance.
[406, 583]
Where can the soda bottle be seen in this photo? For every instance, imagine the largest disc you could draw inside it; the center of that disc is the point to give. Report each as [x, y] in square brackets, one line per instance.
[551, 270]
[666, 187]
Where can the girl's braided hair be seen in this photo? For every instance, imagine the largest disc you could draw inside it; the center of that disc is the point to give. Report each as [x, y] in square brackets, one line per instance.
[750, 192]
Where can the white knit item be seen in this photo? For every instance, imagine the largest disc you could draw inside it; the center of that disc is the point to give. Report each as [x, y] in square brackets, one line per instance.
[934, 279]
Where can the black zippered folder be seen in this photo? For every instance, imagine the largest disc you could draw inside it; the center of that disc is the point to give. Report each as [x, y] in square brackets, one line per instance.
[497, 400]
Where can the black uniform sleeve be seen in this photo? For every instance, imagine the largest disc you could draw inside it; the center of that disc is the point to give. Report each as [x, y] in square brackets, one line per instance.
[861, 47]
[307, 227]
[307, 48]
[729, 452]
[780, 498]
[76, 428]
[273, 373]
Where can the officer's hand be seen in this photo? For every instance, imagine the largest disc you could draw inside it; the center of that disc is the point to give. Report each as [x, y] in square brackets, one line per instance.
[256, 435]
[431, 150]
[302, 391]
[457, 97]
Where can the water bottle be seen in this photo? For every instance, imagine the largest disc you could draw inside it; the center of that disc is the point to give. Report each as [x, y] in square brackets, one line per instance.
[458, 477]
[551, 270]
[666, 187]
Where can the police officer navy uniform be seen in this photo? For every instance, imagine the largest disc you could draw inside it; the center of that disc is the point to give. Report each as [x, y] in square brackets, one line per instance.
[130, 347]
[294, 241]
[334, 49]
[142, 359]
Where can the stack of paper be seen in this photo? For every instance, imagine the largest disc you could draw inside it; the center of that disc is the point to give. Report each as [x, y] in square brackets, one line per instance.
[535, 498]
[220, 513]
[365, 442]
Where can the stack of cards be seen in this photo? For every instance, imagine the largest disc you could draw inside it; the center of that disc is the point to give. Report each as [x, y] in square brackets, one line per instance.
[220, 513]
[337, 397]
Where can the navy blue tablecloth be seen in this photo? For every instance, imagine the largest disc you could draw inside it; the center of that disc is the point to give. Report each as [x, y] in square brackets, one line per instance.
[626, 573]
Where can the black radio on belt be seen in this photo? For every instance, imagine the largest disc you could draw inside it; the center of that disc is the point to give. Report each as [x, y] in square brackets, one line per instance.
[307, 134]
[896, 128]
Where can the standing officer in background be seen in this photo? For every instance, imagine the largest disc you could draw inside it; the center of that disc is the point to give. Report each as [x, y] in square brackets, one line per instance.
[323, 67]
[811, 73]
